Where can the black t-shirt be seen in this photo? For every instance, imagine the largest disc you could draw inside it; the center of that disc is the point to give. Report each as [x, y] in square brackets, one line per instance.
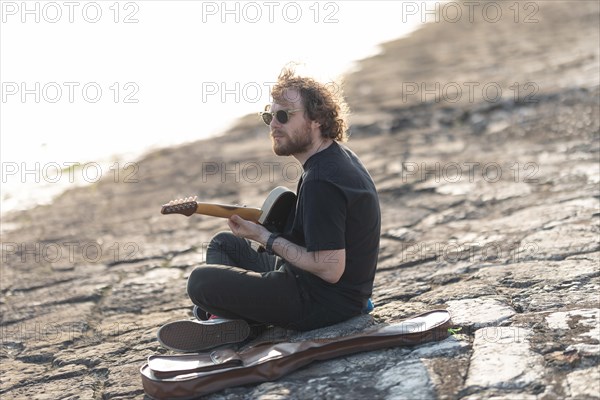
[338, 208]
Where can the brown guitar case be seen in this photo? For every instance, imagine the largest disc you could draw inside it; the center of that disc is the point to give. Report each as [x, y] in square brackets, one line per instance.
[189, 376]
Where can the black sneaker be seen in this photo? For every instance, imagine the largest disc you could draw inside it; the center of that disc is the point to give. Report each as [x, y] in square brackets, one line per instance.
[188, 336]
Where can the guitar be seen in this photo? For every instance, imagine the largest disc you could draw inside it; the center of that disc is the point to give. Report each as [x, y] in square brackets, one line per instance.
[272, 215]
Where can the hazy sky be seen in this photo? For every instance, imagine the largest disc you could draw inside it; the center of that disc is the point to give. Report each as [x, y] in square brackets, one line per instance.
[84, 80]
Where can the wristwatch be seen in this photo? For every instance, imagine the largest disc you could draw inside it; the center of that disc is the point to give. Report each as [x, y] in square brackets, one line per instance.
[270, 241]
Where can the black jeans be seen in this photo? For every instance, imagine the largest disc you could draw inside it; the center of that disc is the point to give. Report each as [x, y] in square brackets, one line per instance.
[241, 283]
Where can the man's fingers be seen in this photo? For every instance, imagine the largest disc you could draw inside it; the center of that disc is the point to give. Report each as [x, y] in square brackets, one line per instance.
[233, 226]
[236, 218]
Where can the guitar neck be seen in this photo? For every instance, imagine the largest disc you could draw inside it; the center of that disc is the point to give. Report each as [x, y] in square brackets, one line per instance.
[226, 211]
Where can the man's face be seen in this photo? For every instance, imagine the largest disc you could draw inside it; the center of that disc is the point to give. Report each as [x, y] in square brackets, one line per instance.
[295, 136]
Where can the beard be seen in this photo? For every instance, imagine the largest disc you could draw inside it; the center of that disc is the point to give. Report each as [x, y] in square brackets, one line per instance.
[286, 145]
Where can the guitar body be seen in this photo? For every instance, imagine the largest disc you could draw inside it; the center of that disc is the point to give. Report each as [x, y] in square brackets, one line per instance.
[276, 209]
[272, 215]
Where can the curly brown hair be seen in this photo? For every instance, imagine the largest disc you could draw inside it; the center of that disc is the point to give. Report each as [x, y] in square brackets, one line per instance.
[322, 103]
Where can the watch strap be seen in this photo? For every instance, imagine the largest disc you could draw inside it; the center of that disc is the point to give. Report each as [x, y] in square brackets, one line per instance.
[270, 241]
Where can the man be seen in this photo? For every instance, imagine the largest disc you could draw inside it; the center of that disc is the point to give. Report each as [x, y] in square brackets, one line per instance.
[319, 271]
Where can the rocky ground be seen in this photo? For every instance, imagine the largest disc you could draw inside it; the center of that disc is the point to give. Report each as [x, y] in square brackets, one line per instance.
[490, 208]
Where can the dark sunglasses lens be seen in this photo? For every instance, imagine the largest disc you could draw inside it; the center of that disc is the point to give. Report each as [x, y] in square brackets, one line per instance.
[267, 118]
[282, 116]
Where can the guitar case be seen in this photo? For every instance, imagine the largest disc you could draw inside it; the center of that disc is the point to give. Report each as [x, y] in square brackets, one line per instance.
[189, 376]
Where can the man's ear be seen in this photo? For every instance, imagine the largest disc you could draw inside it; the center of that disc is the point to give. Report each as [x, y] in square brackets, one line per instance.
[316, 127]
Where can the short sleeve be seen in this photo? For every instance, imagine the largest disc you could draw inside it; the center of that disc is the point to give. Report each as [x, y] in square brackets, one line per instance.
[324, 216]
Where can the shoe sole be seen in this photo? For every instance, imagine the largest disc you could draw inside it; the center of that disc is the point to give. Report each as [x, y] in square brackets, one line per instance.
[190, 336]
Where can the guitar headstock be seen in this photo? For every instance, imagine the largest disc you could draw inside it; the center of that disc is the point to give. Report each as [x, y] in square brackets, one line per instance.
[185, 206]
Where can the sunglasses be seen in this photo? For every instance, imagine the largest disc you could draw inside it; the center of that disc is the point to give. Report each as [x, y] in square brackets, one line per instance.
[282, 116]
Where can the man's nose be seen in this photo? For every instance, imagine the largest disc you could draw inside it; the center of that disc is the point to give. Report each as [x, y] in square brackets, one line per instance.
[274, 123]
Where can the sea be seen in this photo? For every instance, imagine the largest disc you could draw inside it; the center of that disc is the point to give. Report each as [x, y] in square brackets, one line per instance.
[89, 87]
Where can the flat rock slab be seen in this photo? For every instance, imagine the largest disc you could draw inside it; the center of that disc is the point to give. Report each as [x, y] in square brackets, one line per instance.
[480, 312]
[584, 383]
[502, 359]
[586, 321]
[415, 382]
